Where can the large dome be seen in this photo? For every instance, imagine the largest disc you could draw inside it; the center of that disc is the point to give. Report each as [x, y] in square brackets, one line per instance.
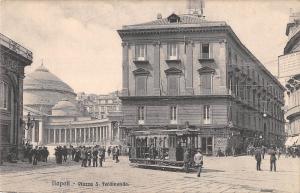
[42, 90]
[42, 79]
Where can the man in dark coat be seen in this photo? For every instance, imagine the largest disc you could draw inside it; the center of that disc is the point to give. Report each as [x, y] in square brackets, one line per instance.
[258, 158]
[273, 159]
[95, 157]
[186, 160]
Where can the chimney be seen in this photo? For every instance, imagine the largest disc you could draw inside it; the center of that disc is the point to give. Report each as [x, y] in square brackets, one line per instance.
[159, 16]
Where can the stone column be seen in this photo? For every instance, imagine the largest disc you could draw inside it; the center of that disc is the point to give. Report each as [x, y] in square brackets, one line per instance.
[49, 136]
[80, 135]
[26, 135]
[97, 134]
[189, 68]
[75, 137]
[118, 136]
[54, 135]
[33, 133]
[65, 135]
[59, 135]
[125, 66]
[101, 131]
[84, 135]
[41, 132]
[156, 68]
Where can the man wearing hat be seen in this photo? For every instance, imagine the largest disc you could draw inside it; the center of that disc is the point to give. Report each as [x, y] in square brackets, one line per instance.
[198, 159]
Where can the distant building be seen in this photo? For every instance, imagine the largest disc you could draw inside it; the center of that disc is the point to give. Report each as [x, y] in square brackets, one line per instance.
[289, 74]
[99, 106]
[189, 82]
[13, 59]
[56, 118]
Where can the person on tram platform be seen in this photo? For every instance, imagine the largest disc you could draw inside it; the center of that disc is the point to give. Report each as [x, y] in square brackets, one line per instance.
[186, 161]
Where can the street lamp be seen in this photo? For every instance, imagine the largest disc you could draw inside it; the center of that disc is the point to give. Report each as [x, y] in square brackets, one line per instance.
[28, 125]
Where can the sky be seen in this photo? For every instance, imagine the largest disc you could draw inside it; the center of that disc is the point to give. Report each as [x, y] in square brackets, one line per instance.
[78, 41]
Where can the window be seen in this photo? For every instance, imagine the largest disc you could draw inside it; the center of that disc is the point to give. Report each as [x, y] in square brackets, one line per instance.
[173, 114]
[141, 115]
[206, 114]
[140, 52]
[173, 51]
[205, 51]
[229, 56]
[141, 85]
[173, 85]
[206, 83]
[4, 91]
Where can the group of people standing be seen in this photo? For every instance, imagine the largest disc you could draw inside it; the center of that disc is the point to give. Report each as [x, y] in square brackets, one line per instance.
[259, 154]
[89, 156]
[35, 154]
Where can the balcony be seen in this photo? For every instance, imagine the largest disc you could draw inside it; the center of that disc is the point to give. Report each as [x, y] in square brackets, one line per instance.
[173, 60]
[140, 61]
[205, 57]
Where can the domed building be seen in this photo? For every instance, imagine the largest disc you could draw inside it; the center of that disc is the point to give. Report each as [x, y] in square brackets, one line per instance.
[52, 115]
[42, 90]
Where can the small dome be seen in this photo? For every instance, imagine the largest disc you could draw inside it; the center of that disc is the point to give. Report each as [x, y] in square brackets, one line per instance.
[65, 108]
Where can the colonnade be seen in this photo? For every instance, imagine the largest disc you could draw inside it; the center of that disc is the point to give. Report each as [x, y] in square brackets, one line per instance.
[97, 134]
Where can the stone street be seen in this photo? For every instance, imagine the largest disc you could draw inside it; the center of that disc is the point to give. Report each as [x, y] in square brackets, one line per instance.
[224, 174]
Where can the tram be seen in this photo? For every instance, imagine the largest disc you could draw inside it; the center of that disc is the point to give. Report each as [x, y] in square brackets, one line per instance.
[163, 147]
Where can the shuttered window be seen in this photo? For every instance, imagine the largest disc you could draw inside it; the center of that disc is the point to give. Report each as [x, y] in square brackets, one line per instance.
[173, 85]
[172, 51]
[140, 52]
[206, 83]
[141, 85]
[207, 114]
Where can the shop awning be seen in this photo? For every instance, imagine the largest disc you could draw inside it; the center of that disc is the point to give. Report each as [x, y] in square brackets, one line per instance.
[292, 141]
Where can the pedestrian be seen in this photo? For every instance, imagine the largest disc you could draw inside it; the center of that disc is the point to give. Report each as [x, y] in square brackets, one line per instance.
[279, 152]
[89, 156]
[273, 159]
[198, 159]
[65, 153]
[35, 156]
[263, 151]
[104, 150]
[186, 161]
[258, 159]
[109, 151]
[73, 152]
[117, 153]
[83, 157]
[101, 156]
[95, 157]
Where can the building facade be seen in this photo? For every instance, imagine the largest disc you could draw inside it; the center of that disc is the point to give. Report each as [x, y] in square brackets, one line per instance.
[289, 73]
[53, 116]
[184, 72]
[99, 106]
[13, 59]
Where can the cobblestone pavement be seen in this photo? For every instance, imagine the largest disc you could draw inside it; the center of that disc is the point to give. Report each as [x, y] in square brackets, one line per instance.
[226, 174]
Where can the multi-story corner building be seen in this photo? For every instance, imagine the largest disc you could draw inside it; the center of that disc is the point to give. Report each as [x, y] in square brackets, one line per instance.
[13, 59]
[99, 106]
[191, 82]
[289, 73]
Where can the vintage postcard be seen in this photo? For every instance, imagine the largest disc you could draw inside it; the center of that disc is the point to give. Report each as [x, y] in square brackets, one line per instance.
[149, 96]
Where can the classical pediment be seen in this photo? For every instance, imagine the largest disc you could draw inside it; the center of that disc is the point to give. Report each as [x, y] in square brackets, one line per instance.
[141, 71]
[206, 69]
[173, 70]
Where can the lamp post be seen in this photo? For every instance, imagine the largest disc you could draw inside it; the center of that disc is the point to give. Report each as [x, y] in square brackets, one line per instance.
[29, 124]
